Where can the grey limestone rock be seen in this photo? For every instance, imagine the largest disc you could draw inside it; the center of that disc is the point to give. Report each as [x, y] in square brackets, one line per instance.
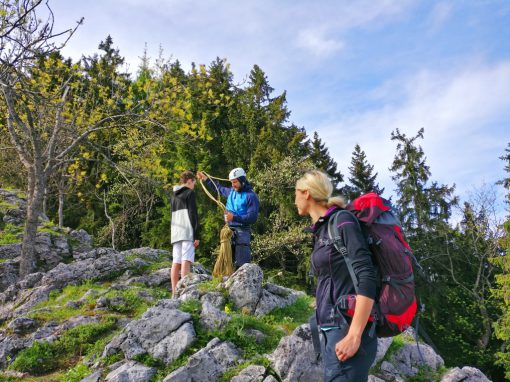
[253, 373]
[82, 241]
[208, 363]
[94, 377]
[216, 299]
[212, 318]
[372, 378]
[172, 346]
[466, 374]
[245, 287]
[163, 331]
[22, 325]
[10, 346]
[10, 251]
[409, 358]
[131, 371]
[294, 359]
[383, 345]
[161, 277]
[188, 286]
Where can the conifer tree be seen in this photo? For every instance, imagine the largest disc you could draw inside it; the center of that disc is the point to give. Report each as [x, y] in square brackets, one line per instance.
[420, 207]
[319, 155]
[502, 291]
[362, 179]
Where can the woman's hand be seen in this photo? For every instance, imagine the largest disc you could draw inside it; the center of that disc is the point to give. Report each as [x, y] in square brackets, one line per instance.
[347, 347]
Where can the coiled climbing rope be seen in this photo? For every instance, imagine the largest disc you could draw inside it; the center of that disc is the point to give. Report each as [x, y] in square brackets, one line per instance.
[223, 265]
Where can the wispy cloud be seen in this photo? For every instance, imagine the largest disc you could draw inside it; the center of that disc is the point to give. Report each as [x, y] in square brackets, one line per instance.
[314, 42]
[451, 106]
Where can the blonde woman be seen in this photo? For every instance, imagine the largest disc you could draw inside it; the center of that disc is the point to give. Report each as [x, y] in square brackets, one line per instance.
[349, 347]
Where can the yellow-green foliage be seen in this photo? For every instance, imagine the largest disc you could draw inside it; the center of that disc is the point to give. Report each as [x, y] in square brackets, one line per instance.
[10, 234]
[4, 206]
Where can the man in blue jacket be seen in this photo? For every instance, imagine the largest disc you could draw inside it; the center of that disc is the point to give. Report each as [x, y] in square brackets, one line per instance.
[242, 211]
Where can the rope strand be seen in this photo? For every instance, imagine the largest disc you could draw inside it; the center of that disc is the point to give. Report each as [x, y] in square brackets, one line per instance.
[223, 265]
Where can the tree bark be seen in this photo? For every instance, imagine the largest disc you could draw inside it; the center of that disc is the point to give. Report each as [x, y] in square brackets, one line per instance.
[61, 194]
[483, 341]
[36, 187]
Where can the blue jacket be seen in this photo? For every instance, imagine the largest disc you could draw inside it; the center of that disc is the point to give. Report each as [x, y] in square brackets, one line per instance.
[243, 204]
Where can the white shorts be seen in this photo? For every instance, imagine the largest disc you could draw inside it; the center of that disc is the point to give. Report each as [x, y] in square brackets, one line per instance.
[183, 251]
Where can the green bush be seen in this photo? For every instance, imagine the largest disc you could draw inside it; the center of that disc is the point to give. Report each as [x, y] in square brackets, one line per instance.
[43, 357]
[77, 373]
[38, 359]
[235, 332]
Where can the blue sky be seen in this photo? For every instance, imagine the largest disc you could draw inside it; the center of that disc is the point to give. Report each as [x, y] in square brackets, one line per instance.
[353, 70]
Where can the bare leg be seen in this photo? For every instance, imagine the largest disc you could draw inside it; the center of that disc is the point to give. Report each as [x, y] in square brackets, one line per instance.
[186, 267]
[174, 276]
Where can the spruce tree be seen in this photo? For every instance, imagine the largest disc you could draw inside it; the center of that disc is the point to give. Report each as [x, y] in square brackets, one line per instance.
[319, 155]
[361, 179]
[420, 207]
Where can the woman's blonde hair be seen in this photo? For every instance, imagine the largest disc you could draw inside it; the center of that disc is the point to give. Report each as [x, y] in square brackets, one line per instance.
[320, 188]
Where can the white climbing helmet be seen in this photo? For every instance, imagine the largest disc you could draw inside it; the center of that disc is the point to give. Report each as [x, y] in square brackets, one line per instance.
[236, 173]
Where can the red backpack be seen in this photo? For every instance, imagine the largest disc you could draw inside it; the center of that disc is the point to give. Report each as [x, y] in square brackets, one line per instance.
[395, 305]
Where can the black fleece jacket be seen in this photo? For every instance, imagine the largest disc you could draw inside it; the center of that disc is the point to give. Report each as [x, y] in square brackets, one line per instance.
[333, 279]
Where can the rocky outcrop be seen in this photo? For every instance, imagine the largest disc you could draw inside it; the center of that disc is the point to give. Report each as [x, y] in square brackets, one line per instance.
[53, 244]
[247, 291]
[208, 364]
[166, 332]
[131, 371]
[295, 360]
[15, 207]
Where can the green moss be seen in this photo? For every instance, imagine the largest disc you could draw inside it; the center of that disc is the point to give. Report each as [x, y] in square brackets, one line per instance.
[426, 374]
[191, 306]
[51, 228]
[44, 357]
[291, 316]
[211, 286]
[10, 234]
[5, 206]
[261, 361]
[149, 361]
[56, 309]
[235, 332]
[133, 304]
[77, 373]
[38, 359]
[112, 358]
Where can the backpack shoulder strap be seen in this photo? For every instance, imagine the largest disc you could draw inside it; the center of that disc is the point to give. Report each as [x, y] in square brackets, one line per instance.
[338, 242]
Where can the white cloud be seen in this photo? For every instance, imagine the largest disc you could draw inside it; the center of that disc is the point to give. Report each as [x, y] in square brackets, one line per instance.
[453, 108]
[317, 44]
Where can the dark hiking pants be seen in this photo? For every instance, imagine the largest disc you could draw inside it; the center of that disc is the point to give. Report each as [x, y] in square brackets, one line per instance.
[355, 369]
[241, 245]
